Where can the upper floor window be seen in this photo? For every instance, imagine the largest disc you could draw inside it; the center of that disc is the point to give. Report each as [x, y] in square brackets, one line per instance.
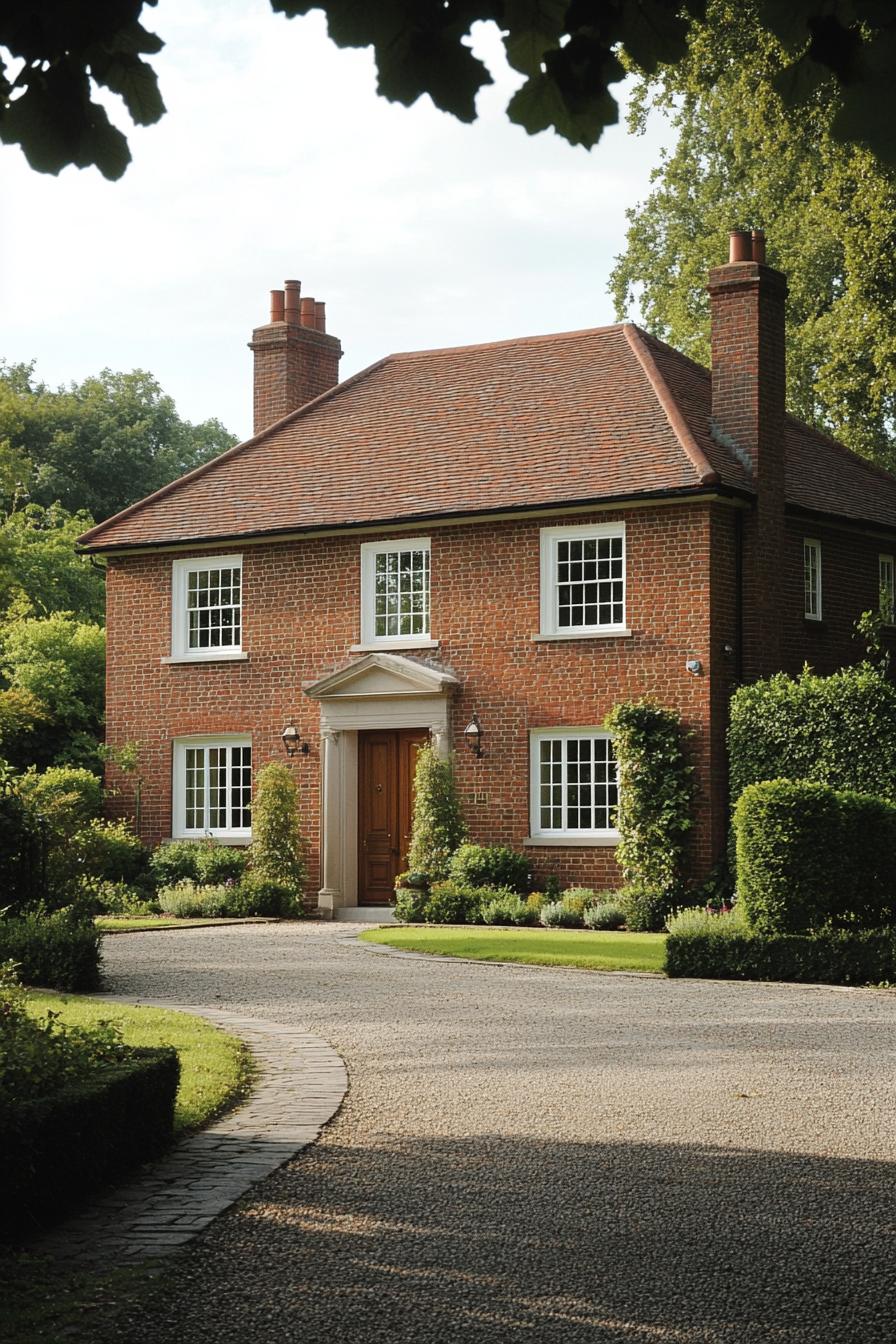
[583, 579]
[212, 787]
[574, 784]
[812, 579]
[395, 592]
[887, 586]
[206, 608]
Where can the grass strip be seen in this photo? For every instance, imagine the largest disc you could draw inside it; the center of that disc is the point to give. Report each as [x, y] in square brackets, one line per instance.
[215, 1069]
[610, 951]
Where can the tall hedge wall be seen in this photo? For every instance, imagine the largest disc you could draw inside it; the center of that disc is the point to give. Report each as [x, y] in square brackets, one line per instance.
[810, 857]
[838, 730]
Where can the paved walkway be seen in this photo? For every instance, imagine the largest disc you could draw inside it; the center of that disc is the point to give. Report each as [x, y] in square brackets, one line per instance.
[301, 1084]
[543, 1156]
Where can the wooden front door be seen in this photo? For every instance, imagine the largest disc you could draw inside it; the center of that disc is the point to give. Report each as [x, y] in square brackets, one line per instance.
[386, 761]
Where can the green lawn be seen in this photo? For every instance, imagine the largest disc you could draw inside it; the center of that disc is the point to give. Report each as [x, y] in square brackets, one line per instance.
[215, 1069]
[535, 947]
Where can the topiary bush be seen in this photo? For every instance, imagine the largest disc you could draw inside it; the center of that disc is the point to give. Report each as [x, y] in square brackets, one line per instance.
[58, 950]
[278, 849]
[491, 866]
[809, 856]
[175, 862]
[438, 827]
[654, 815]
[604, 915]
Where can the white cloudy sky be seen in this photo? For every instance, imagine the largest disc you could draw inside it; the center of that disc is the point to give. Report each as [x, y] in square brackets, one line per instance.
[277, 160]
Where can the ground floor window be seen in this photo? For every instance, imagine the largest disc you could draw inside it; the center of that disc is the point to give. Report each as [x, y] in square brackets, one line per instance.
[212, 787]
[574, 788]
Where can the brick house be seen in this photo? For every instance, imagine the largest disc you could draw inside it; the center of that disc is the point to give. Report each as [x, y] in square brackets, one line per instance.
[525, 532]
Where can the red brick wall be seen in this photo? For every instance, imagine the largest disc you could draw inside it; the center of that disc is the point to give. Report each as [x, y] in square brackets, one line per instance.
[301, 615]
[293, 365]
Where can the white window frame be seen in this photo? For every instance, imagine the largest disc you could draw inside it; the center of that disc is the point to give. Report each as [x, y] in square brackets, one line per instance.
[180, 572]
[179, 829]
[369, 638]
[540, 835]
[886, 584]
[550, 615]
[812, 547]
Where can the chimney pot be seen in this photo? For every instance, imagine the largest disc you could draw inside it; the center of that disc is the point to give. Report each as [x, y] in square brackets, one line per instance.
[293, 289]
[758, 241]
[276, 305]
[307, 315]
[740, 246]
[320, 316]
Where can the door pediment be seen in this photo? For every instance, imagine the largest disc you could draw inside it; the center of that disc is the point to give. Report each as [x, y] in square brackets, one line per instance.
[382, 675]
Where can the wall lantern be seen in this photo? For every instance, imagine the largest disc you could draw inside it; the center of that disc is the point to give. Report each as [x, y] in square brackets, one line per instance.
[473, 735]
[293, 742]
[694, 666]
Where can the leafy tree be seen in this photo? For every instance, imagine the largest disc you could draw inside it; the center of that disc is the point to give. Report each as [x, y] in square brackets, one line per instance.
[40, 571]
[278, 849]
[98, 445]
[438, 826]
[829, 209]
[567, 49]
[60, 662]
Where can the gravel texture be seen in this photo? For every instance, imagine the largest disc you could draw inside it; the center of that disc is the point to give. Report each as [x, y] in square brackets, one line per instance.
[532, 1154]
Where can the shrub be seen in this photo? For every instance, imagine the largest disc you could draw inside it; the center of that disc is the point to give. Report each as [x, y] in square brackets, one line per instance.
[412, 879]
[655, 786]
[67, 798]
[187, 901]
[838, 730]
[574, 901]
[584, 894]
[437, 828]
[19, 856]
[698, 919]
[645, 907]
[556, 915]
[491, 866]
[536, 899]
[808, 856]
[451, 903]
[259, 895]
[604, 915]
[220, 863]
[175, 862]
[109, 851]
[410, 905]
[830, 957]
[59, 950]
[278, 850]
[506, 907]
[117, 898]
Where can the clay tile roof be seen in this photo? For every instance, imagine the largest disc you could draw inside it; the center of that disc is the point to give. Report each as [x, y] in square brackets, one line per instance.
[546, 420]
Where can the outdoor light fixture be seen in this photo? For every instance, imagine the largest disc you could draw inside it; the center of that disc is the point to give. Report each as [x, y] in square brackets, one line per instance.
[473, 735]
[292, 741]
[694, 666]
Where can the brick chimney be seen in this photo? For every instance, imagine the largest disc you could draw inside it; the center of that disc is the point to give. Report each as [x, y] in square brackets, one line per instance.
[747, 300]
[295, 359]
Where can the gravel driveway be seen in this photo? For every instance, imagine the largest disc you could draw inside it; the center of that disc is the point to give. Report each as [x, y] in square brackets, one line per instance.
[545, 1155]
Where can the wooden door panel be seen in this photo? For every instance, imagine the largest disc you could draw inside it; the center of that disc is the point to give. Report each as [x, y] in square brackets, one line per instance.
[386, 764]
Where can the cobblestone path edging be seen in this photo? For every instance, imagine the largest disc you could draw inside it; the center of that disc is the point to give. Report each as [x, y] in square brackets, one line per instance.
[300, 1086]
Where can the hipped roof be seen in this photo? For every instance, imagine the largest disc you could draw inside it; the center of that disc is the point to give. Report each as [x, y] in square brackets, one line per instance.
[566, 419]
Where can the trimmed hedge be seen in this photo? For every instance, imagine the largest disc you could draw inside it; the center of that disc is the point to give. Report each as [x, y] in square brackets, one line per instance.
[55, 1150]
[58, 951]
[809, 856]
[838, 730]
[491, 866]
[833, 957]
